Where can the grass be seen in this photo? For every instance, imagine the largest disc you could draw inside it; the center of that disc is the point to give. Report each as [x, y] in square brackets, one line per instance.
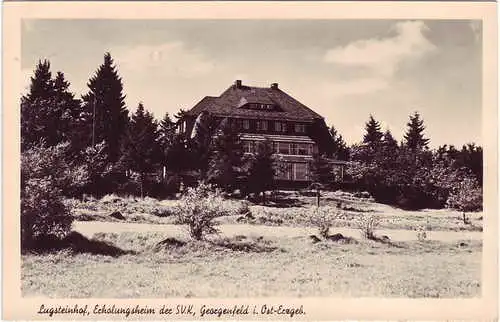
[148, 264]
[289, 208]
[253, 267]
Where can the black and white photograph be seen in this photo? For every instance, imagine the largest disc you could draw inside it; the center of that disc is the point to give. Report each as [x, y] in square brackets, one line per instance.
[252, 158]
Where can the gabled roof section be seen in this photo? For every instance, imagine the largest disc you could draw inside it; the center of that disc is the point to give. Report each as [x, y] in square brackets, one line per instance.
[233, 99]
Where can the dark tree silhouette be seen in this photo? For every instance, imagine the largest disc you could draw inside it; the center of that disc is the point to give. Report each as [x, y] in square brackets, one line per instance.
[389, 142]
[261, 172]
[106, 115]
[141, 149]
[340, 148]
[373, 135]
[49, 111]
[414, 136]
[226, 167]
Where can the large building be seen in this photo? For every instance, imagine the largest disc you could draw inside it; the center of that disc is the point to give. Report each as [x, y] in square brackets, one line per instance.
[296, 131]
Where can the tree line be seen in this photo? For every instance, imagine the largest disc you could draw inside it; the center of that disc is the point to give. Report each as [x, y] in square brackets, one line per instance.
[411, 175]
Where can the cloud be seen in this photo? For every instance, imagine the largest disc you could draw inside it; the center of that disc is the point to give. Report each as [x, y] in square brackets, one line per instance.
[171, 58]
[383, 55]
[354, 87]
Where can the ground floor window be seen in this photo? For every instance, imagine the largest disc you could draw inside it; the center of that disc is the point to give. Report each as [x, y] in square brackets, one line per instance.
[301, 171]
[295, 171]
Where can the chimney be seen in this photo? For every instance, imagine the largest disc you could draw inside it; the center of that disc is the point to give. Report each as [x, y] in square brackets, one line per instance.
[274, 85]
[237, 83]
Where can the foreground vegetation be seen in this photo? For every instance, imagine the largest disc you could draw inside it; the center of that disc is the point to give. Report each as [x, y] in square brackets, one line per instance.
[286, 208]
[252, 266]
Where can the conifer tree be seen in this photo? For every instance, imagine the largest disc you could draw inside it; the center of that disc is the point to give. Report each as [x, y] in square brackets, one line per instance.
[414, 136]
[49, 110]
[389, 141]
[166, 131]
[226, 166]
[340, 148]
[373, 135]
[106, 115]
[200, 140]
[141, 149]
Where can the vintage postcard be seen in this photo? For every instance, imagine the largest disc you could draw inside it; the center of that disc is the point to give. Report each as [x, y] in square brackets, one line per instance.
[250, 161]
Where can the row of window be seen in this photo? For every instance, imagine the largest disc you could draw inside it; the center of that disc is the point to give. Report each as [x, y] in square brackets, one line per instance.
[259, 106]
[282, 148]
[263, 125]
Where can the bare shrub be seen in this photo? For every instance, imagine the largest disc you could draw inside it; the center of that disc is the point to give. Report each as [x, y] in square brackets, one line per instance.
[323, 218]
[421, 234]
[367, 225]
[198, 209]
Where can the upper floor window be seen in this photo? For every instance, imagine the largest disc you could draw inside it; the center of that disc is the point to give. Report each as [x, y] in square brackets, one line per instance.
[261, 125]
[246, 124]
[300, 128]
[280, 126]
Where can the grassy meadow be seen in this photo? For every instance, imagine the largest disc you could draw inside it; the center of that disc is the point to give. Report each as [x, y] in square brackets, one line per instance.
[157, 264]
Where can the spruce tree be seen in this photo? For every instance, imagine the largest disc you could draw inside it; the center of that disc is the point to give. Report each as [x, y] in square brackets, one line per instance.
[200, 140]
[340, 148]
[166, 132]
[414, 136]
[106, 115]
[49, 110]
[389, 141]
[226, 166]
[373, 135]
[71, 122]
[141, 149]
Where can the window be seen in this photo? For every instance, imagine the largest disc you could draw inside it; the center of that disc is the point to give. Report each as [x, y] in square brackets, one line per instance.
[302, 149]
[300, 128]
[246, 124]
[280, 127]
[248, 146]
[276, 147]
[283, 148]
[300, 171]
[261, 125]
[284, 171]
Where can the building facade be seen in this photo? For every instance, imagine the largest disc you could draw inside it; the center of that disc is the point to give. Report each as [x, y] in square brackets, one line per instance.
[295, 131]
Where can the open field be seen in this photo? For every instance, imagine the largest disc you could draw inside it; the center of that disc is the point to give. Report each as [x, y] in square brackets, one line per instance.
[258, 267]
[260, 251]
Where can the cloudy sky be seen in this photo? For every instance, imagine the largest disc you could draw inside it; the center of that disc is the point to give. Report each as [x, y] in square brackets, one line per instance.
[344, 70]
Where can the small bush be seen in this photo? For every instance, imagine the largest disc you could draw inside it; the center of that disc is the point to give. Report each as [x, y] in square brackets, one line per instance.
[323, 218]
[198, 209]
[367, 225]
[466, 197]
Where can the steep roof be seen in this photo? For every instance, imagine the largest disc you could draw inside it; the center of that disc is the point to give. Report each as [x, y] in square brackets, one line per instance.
[229, 104]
